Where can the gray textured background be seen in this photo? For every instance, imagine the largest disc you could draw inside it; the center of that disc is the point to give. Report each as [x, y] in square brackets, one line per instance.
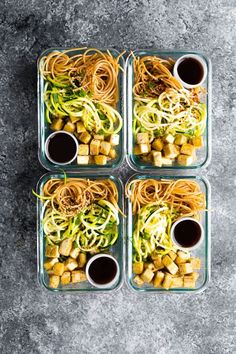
[34, 321]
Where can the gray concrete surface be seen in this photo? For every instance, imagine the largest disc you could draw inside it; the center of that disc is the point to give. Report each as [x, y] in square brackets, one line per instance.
[34, 321]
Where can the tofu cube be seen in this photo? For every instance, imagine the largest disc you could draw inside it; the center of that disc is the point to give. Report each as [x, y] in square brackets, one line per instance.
[137, 150]
[197, 141]
[112, 154]
[159, 276]
[157, 158]
[182, 257]
[138, 280]
[157, 144]
[142, 138]
[65, 278]
[82, 259]
[196, 263]
[74, 119]
[82, 160]
[144, 148]
[167, 281]
[85, 137]
[83, 150]
[170, 265]
[114, 139]
[50, 263]
[105, 147]
[71, 264]
[98, 137]
[78, 276]
[170, 151]
[57, 124]
[150, 266]
[58, 268]
[166, 162]
[177, 282]
[158, 263]
[69, 127]
[185, 160]
[180, 139]
[80, 128]
[74, 252]
[100, 160]
[187, 149]
[147, 275]
[169, 138]
[65, 247]
[138, 267]
[189, 282]
[95, 147]
[172, 255]
[195, 276]
[52, 251]
[91, 160]
[185, 268]
[54, 281]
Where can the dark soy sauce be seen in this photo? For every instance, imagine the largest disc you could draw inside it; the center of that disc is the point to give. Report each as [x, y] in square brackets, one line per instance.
[61, 147]
[103, 270]
[190, 71]
[187, 233]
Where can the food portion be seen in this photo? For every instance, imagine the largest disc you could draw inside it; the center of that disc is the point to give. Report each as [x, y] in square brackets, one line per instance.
[156, 205]
[81, 95]
[168, 120]
[80, 219]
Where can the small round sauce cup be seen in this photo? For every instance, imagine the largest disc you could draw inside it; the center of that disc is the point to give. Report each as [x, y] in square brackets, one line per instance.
[61, 143]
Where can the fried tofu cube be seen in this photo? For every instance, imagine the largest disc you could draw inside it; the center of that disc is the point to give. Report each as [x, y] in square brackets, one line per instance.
[169, 138]
[159, 276]
[83, 150]
[98, 137]
[85, 137]
[57, 124]
[144, 148]
[80, 127]
[65, 247]
[50, 263]
[194, 275]
[112, 154]
[114, 139]
[78, 276]
[138, 267]
[58, 268]
[65, 278]
[105, 147]
[52, 251]
[95, 147]
[69, 127]
[196, 263]
[82, 259]
[180, 139]
[74, 119]
[177, 282]
[54, 281]
[100, 160]
[71, 264]
[197, 141]
[185, 160]
[166, 161]
[91, 160]
[147, 275]
[182, 257]
[189, 282]
[50, 272]
[169, 264]
[170, 151]
[150, 266]
[172, 255]
[157, 144]
[142, 138]
[157, 158]
[158, 263]
[167, 281]
[82, 160]
[187, 149]
[185, 268]
[138, 280]
[74, 253]
[137, 150]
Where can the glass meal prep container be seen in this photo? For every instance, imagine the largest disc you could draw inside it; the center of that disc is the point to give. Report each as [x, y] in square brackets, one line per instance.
[44, 127]
[203, 155]
[202, 252]
[116, 250]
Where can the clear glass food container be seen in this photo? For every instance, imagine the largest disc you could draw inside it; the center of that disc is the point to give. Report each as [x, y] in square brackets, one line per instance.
[44, 129]
[117, 250]
[203, 251]
[203, 154]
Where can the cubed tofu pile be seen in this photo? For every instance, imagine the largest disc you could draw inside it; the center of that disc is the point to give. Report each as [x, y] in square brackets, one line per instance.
[173, 270]
[70, 270]
[93, 148]
[168, 149]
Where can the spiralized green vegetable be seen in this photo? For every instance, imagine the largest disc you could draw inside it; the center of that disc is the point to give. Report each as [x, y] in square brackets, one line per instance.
[172, 112]
[152, 231]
